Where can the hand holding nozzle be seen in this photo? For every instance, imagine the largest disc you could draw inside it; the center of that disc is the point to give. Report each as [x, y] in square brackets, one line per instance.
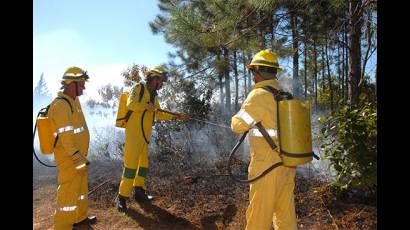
[182, 116]
[179, 116]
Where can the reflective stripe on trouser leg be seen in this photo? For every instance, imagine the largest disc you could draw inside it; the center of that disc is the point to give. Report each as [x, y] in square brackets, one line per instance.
[139, 180]
[271, 201]
[82, 200]
[128, 176]
[134, 146]
[66, 211]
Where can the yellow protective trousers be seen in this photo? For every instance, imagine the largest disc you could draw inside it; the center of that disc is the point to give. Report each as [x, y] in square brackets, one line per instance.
[271, 198]
[72, 199]
[72, 132]
[136, 147]
[135, 164]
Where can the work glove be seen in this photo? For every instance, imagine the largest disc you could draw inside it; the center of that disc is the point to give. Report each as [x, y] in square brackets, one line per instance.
[80, 163]
[182, 116]
[151, 108]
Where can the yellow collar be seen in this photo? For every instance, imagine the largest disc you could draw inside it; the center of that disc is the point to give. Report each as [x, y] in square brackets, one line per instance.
[61, 94]
[272, 83]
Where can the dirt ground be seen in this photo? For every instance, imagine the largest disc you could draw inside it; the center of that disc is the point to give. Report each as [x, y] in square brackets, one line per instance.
[184, 200]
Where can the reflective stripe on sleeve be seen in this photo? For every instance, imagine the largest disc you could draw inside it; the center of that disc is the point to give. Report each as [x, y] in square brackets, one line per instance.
[63, 129]
[69, 128]
[79, 130]
[257, 133]
[67, 208]
[246, 117]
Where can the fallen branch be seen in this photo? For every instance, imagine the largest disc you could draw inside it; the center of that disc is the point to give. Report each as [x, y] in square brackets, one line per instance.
[99, 186]
[328, 211]
[194, 179]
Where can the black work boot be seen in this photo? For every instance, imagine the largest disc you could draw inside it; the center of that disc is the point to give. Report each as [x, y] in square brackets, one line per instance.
[121, 204]
[89, 220]
[140, 195]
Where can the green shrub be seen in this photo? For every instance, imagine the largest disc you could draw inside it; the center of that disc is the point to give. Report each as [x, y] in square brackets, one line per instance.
[349, 139]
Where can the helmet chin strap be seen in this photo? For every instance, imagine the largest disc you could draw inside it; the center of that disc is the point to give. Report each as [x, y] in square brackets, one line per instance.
[256, 73]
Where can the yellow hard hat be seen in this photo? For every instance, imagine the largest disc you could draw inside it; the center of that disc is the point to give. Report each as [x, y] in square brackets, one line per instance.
[265, 58]
[157, 71]
[74, 74]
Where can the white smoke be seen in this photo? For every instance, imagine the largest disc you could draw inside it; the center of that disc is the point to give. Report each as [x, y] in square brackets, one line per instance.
[41, 99]
[204, 140]
[318, 168]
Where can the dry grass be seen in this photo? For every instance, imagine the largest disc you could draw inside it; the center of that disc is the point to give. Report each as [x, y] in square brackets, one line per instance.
[199, 203]
[43, 206]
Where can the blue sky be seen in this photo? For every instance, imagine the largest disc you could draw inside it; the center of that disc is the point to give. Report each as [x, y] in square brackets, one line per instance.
[103, 37]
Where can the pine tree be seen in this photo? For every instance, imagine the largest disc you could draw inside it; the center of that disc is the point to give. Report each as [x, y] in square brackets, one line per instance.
[41, 94]
[41, 88]
[208, 32]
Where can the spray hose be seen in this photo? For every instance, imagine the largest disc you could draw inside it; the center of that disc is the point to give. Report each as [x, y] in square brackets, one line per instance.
[98, 187]
[235, 148]
[194, 119]
[271, 144]
[210, 123]
[193, 179]
[142, 127]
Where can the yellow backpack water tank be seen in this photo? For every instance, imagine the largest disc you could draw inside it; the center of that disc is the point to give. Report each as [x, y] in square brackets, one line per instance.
[45, 135]
[121, 120]
[46, 130]
[295, 136]
[123, 114]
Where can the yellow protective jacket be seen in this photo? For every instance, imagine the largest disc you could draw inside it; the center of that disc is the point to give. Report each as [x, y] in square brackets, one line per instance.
[72, 133]
[136, 145]
[71, 128]
[259, 106]
[138, 107]
[271, 198]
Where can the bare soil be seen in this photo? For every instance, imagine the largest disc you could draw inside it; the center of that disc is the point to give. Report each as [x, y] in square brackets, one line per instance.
[188, 196]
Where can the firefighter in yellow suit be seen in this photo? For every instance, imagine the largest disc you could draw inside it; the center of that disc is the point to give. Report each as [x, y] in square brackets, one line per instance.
[71, 149]
[143, 103]
[271, 199]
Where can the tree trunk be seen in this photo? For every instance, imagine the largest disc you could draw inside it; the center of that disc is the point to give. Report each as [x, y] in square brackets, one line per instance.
[339, 75]
[249, 77]
[270, 29]
[355, 49]
[245, 86]
[261, 32]
[329, 77]
[375, 87]
[343, 72]
[295, 45]
[235, 69]
[369, 46]
[347, 76]
[306, 85]
[323, 70]
[221, 89]
[315, 72]
[227, 81]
